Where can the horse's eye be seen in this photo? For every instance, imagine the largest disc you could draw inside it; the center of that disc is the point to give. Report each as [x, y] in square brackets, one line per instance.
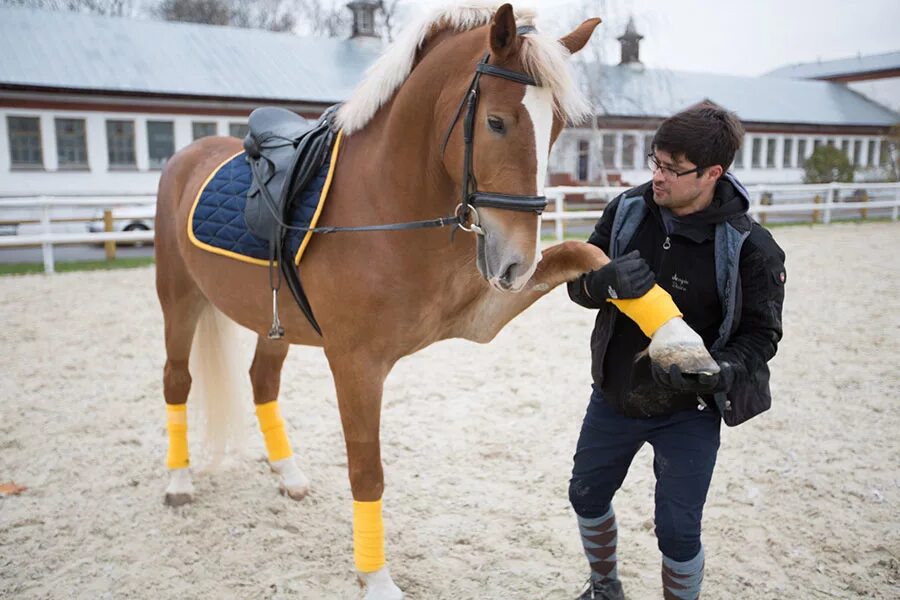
[496, 124]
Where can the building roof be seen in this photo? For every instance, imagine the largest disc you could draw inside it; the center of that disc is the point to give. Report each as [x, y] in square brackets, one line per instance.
[634, 91]
[829, 69]
[89, 52]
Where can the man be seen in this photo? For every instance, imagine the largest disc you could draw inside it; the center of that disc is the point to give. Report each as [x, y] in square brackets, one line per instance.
[687, 230]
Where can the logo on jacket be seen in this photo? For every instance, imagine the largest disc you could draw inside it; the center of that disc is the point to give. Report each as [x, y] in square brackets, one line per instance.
[679, 283]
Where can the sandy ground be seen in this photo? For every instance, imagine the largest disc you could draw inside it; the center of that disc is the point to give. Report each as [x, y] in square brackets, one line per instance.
[478, 440]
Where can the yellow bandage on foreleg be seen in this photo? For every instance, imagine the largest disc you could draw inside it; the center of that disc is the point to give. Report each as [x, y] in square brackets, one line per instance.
[272, 427]
[368, 536]
[650, 311]
[176, 424]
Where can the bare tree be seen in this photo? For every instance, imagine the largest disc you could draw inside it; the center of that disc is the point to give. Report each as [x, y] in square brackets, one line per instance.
[389, 16]
[328, 18]
[211, 12]
[116, 8]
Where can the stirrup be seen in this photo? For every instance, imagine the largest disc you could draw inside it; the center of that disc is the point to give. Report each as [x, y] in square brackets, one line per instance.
[276, 332]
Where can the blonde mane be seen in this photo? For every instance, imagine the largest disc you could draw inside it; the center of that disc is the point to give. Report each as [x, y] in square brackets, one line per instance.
[543, 57]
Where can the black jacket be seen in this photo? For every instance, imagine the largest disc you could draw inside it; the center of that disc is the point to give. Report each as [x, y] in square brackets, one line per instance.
[684, 263]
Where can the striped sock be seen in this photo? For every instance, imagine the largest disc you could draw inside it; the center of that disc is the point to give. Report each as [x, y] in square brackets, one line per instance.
[681, 580]
[599, 536]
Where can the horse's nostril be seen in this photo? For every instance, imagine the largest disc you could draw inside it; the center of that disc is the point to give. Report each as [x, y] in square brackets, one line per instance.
[507, 276]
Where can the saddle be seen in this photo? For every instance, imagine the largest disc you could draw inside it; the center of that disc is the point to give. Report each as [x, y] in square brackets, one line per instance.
[285, 151]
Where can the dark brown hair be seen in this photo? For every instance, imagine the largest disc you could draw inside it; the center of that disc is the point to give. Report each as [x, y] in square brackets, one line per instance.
[706, 134]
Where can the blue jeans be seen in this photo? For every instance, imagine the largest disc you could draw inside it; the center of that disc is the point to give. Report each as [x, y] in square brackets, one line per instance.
[684, 455]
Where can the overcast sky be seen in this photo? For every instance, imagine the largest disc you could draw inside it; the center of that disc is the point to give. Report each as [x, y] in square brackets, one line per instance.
[740, 37]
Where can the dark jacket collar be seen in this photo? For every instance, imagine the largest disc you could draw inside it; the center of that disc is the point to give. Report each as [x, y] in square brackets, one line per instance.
[730, 203]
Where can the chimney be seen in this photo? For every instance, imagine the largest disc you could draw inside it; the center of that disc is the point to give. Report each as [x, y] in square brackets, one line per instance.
[631, 44]
[363, 18]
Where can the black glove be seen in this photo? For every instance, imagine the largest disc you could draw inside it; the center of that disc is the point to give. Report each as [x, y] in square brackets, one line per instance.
[627, 276]
[697, 384]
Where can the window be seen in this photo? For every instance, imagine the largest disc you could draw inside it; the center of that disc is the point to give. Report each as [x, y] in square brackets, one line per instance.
[160, 142]
[801, 152]
[786, 156]
[648, 145]
[120, 143]
[584, 157]
[738, 162]
[757, 153]
[609, 150]
[629, 144]
[203, 129]
[71, 144]
[25, 142]
[845, 148]
[857, 152]
[771, 144]
[238, 130]
[871, 156]
[886, 148]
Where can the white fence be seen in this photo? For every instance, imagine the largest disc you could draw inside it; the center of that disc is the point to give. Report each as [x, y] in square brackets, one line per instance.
[809, 202]
[820, 202]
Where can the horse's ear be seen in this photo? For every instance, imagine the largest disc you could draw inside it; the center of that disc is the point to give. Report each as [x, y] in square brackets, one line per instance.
[576, 40]
[503, 32]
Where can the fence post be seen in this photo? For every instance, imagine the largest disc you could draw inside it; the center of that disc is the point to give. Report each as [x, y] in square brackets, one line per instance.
[560, 224]
[815, 213]
[896, 202]
[829, 200]
[110, 246]
[46, 247]
[864, 212]
[765, 199]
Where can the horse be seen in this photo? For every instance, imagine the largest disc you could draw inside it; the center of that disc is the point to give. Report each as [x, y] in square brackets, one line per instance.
[379, 296]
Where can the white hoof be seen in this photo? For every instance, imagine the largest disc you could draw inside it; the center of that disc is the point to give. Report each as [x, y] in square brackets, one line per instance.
[293, 482]
[180, 489]
[380, 586]
[675, 343]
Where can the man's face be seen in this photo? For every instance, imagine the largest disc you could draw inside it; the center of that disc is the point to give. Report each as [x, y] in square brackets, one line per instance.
[681, 192]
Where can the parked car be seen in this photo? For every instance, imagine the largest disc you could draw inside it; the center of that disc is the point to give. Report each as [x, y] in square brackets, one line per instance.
[126, 218]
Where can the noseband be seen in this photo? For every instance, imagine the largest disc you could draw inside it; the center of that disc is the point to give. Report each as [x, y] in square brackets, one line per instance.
[471, 198]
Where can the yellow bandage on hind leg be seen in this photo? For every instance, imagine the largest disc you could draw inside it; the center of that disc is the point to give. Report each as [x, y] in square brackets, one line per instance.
[368, 536]
[272, 427]
[176, 424]
[650, 311]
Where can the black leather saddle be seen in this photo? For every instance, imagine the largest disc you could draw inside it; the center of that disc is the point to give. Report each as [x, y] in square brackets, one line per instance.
[285, 151]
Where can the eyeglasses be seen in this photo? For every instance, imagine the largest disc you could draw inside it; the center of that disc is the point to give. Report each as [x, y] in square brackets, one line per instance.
[654, 165]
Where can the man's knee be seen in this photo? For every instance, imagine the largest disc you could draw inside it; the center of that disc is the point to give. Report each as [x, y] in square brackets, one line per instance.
[677, 535]
[589, 498]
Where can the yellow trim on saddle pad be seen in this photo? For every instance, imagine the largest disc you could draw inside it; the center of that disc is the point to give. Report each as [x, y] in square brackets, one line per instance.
[176, 424]
[323, 195]
[651, 311]
[368, 536]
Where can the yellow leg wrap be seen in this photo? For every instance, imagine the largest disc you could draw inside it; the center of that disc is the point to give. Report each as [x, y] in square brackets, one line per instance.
[368, 536]
[176, 424]
[272, 427]
[651, 310]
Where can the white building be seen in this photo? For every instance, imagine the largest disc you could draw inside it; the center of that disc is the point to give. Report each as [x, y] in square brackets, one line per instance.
[785, 119]
[96, 105]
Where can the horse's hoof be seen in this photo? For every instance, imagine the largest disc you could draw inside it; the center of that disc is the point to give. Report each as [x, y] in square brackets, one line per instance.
[380, 586]
[178, 499]
[293, 483]
[675, 343]
[294, 493]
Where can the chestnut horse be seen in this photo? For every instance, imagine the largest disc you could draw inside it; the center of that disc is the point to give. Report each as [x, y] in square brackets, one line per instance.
[379, 296]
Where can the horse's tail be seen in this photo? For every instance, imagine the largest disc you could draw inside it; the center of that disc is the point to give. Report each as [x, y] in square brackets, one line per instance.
[220, 396]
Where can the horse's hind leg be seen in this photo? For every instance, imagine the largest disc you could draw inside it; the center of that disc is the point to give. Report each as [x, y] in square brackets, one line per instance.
[182, 303]
[265, 375]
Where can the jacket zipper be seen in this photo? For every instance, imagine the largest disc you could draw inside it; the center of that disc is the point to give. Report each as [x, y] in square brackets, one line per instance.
[667, 244]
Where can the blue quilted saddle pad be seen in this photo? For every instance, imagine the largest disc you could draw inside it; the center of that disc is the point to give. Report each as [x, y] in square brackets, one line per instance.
[217, 220]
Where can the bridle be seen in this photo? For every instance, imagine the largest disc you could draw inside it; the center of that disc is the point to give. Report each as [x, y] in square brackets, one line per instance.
[466, 214]
[471, 197]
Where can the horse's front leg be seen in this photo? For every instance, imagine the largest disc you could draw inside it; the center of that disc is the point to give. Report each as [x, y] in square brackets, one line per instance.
[671, 340]
[359, 381]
